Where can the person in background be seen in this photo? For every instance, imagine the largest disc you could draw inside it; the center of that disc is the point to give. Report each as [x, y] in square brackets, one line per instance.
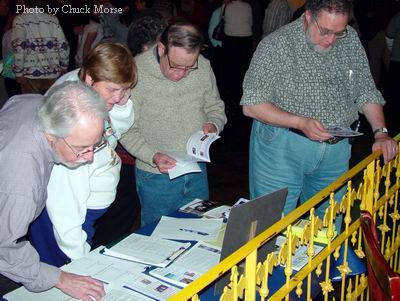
[393, 45]
[277, 14]
[144, 34]
[142, 10]
[11, 85]
[294, 99]
[91, 35]
[65, 127]
[258, 15]
[78, 197]
[166, 8]
[237, 48]
[115, 26]
[215, 47]
[176, 95]
[40, 49]
[70, 24]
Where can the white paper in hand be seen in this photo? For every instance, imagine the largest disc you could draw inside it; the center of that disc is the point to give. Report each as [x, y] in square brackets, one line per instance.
[184, 164]
[343, 132]
[197, 150]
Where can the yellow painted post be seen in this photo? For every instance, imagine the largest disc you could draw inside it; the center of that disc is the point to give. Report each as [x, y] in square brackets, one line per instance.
[345, 269]
[288, 268]
[250, 272]
[369, 196]
[310, 252]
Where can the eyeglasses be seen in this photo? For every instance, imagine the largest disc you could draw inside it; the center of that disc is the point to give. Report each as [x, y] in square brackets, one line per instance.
[323, 32]
[97, 147]
[182, 68]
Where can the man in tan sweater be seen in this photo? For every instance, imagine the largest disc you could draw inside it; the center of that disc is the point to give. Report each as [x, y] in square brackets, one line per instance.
[176, 95]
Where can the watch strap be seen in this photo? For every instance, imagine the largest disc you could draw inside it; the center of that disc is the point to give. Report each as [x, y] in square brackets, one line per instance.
[380, 130]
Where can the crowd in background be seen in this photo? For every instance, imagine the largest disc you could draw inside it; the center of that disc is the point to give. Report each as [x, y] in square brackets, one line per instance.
[246, 22]
[40, 51]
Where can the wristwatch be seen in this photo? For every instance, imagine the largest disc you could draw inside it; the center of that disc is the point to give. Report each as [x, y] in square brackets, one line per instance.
[381, 130]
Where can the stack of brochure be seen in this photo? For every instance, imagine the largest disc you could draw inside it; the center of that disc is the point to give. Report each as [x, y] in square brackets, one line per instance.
[200, 207]
[148, 250]
[300, 257]
[190, 266]
[210, 209]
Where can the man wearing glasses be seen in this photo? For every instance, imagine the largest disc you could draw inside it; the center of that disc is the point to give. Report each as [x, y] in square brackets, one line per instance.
[78, 198]
[176, 95]
[307, 77]
[65, 127]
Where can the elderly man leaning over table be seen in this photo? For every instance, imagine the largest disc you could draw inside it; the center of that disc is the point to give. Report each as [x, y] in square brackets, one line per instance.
[36, 133]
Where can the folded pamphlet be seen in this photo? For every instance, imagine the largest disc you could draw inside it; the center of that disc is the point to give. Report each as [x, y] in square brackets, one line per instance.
[199, 207]
[197, 150]
[190, 266]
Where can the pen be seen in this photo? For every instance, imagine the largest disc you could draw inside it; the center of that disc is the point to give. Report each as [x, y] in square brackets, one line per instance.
[193, 231]
[102, 281]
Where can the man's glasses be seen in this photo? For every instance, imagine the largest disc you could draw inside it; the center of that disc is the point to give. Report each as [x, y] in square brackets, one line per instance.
[97, 147]
[323, 32]
[182, 68]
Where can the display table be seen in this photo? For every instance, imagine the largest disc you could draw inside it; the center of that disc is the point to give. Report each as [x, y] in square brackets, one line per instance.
[276, 280]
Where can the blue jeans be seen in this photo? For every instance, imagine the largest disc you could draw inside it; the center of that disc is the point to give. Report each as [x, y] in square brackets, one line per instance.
[160, 196]
[280, 158]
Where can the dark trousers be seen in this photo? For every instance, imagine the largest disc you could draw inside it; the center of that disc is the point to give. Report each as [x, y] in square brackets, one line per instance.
[7, 285]
[123, 213]
[216, 60]
[237, 53]
[392, 98]
[12, 87]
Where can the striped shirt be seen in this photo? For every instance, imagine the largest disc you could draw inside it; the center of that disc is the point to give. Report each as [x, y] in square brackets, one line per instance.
[277, 14]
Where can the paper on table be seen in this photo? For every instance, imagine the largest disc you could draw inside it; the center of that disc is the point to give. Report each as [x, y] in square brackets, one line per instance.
[343, 132]
[105, 268]
[151, 287]
[199, 207]
[148, 250]
[223, 211]
[113, 293]
[300, 258]
[187, 228]
[190, 266]
[220, 239]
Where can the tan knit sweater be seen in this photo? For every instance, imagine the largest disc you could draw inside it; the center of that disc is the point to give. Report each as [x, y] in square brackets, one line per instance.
[168, 112]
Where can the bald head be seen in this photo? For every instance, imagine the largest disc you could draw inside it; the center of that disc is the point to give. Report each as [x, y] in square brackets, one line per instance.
[184, 35]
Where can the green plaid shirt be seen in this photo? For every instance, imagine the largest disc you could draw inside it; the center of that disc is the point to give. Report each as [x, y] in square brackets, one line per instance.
[288, 73]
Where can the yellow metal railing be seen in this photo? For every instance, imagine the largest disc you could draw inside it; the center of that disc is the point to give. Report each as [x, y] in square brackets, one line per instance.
[377, 192]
